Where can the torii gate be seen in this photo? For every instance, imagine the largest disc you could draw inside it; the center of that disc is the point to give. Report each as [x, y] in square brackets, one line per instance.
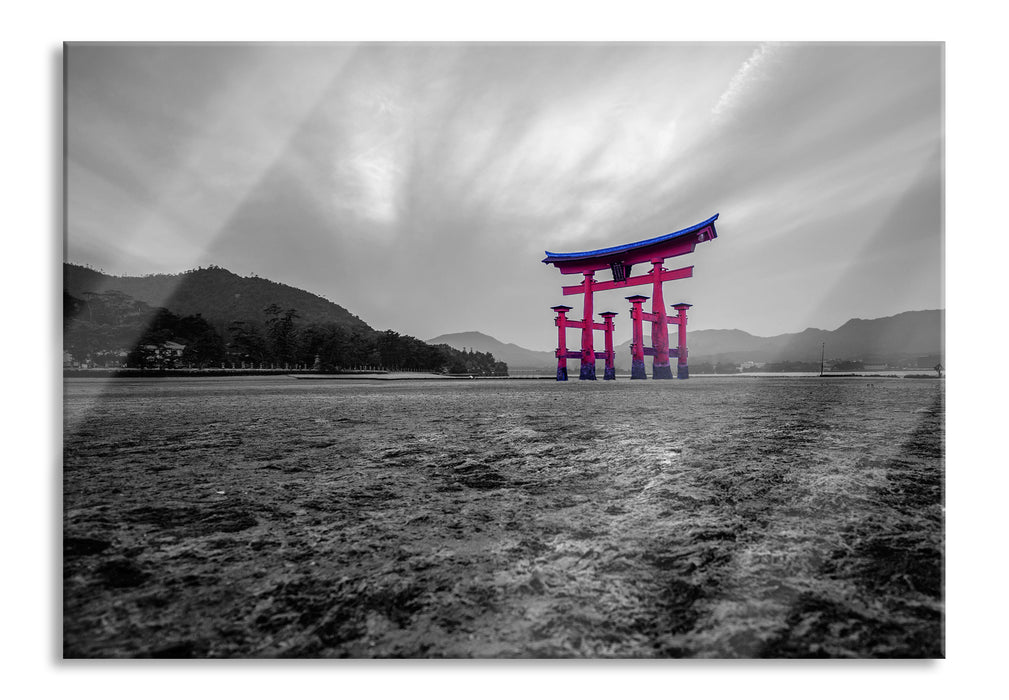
[620, 260]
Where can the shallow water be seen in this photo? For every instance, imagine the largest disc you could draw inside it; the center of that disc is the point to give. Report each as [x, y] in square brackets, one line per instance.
[714, 517]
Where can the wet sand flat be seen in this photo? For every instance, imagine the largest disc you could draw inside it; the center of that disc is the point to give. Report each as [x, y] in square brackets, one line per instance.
[713, 517]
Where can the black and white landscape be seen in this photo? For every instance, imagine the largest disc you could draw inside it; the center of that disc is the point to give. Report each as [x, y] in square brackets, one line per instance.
[308, 397]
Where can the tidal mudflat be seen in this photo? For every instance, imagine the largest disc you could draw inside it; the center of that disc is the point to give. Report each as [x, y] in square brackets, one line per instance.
[714, 517]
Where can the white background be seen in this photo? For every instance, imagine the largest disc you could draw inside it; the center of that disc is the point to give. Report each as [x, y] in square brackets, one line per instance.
[975, 230]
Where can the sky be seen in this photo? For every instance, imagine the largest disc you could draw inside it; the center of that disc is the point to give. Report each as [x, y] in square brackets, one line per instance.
[419, 184]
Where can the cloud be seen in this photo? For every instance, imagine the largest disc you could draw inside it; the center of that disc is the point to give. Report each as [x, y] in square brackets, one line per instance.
[750, 77]
[420, 184]
[183, 147]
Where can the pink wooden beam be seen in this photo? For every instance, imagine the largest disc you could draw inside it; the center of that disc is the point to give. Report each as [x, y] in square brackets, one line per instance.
[667, 246]
[665, 276]
[581, 324]
[654, 318]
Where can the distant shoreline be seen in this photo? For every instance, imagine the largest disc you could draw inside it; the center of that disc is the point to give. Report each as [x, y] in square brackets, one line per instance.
[130, 372]
[384, 375]
[133, 373]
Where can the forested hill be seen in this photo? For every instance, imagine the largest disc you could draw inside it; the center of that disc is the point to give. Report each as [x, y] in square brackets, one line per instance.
[219, 295]
[211, 317]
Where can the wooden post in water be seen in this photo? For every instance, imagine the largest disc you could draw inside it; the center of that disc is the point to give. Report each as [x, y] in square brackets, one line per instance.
[588, 368]
[637, 337]
[611, 371]
[682, 370]
[660, 331]
[562, 344]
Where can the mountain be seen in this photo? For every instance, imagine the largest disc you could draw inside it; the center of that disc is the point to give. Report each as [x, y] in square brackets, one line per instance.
[219, 295]
[910, 334]
[906, 335]
[514, 356]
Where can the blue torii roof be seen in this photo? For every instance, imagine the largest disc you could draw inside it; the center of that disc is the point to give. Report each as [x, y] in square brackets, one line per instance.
[557, 257]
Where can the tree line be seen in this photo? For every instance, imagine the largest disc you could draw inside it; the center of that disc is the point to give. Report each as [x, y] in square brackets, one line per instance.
[111, 329]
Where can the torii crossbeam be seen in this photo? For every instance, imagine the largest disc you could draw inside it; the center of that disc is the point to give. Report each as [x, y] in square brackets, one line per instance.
[619, 260]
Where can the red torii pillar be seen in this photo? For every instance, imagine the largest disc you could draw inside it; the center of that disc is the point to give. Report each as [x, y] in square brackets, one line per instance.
[660, 332]
[682, 371]
[562, 346]
[611, 371]
[587, 356]
[588, 368]
[638, 350]
[637, 337]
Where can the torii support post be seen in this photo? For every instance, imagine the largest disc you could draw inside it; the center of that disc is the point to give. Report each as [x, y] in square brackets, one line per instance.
[562, 345]
[682, 372]
[660, 332]
[588, 368]
[611, 371]
[638, 337]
